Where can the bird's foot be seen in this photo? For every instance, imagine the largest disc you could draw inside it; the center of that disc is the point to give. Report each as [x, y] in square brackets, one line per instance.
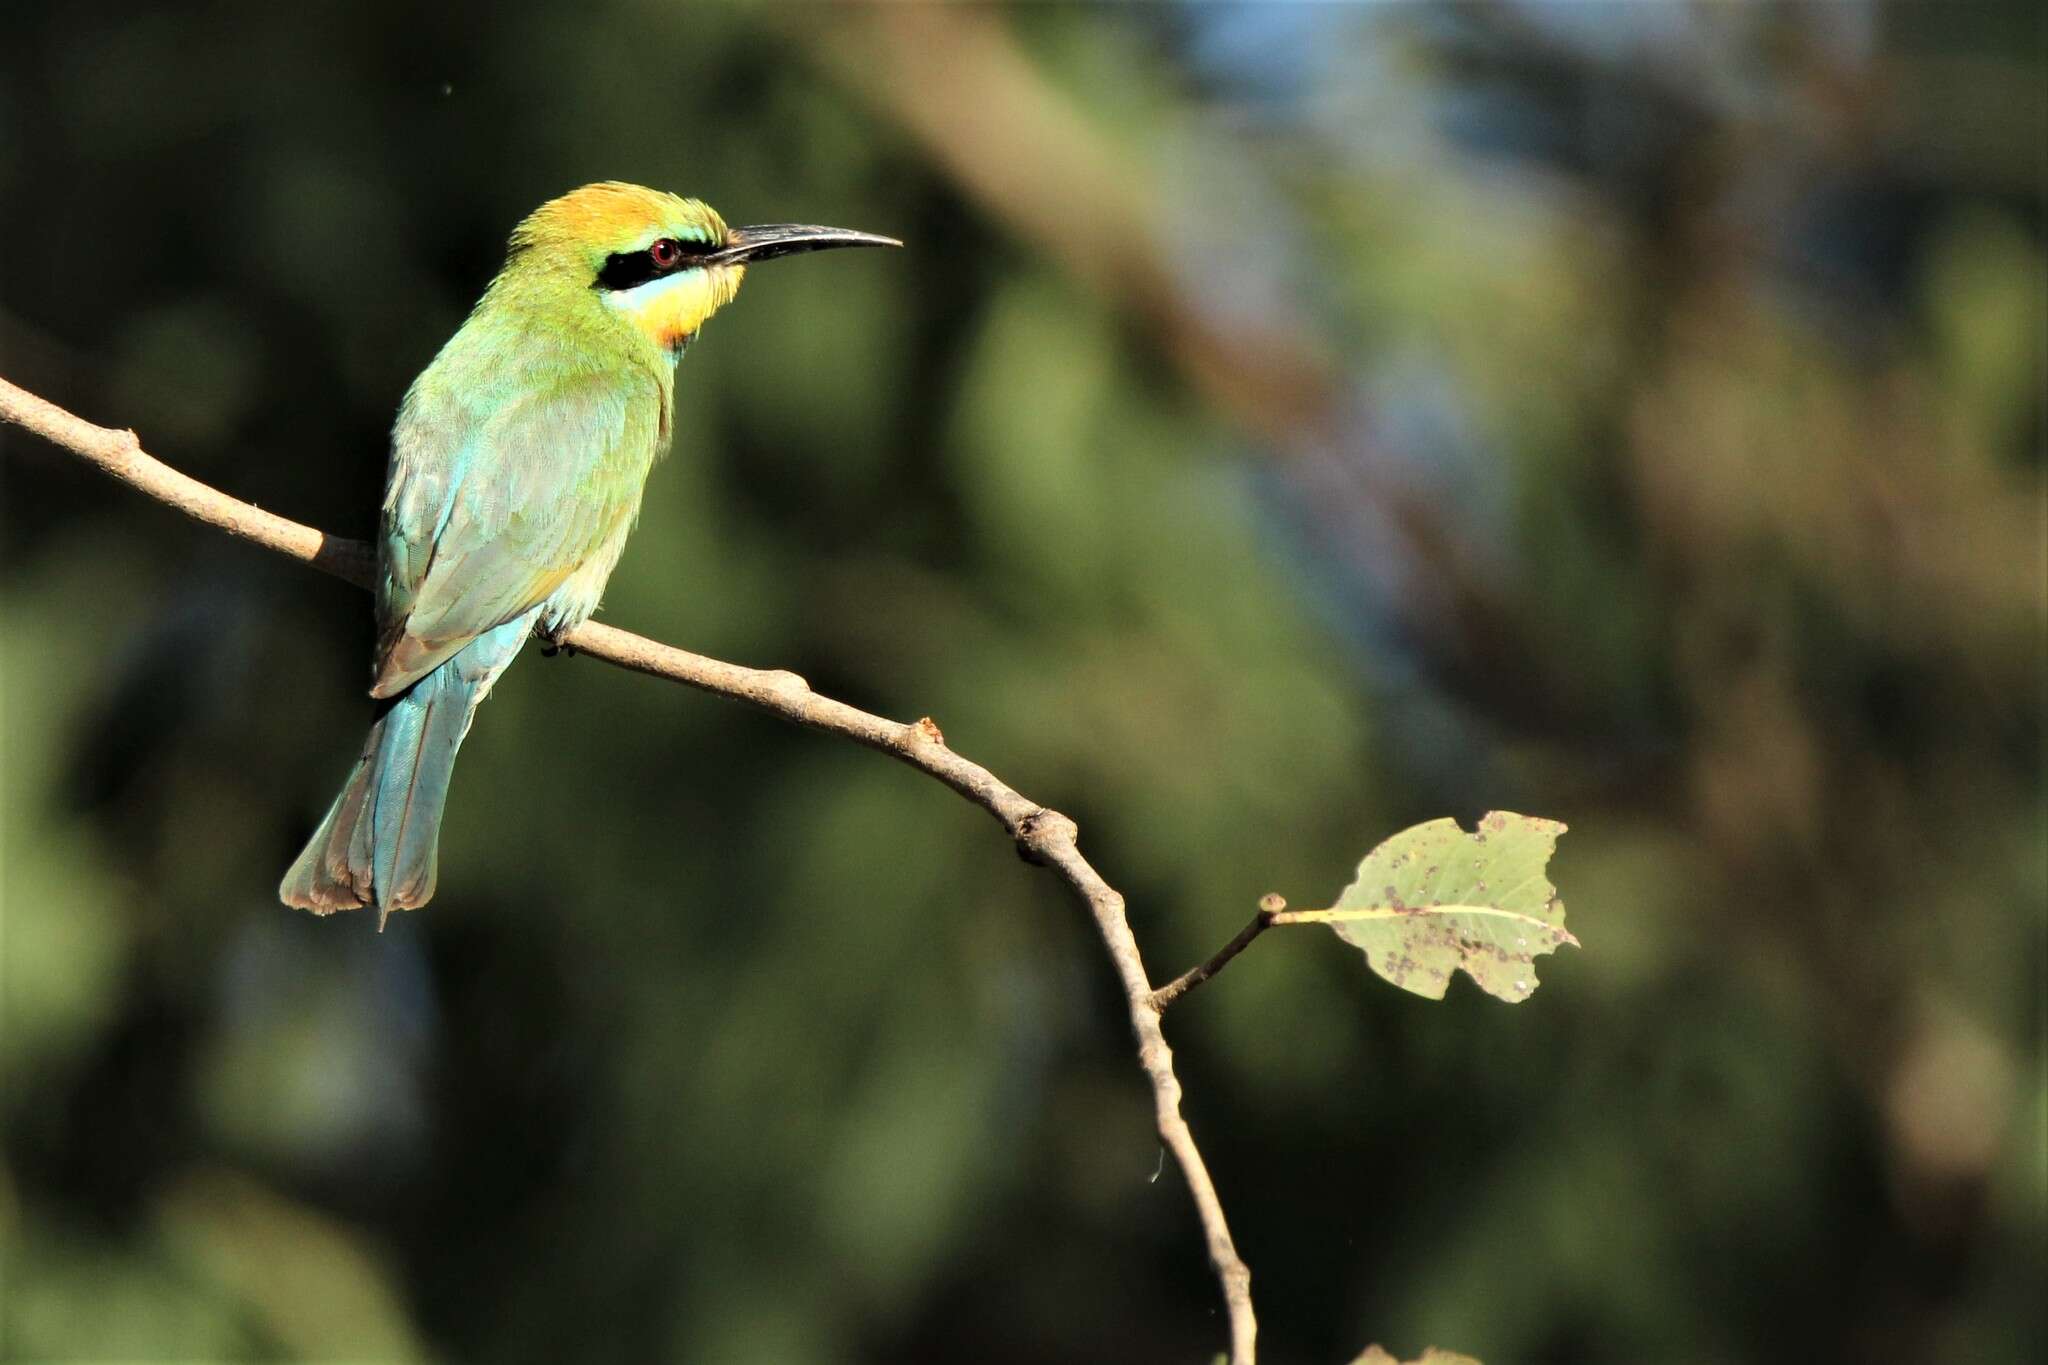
[555, 643]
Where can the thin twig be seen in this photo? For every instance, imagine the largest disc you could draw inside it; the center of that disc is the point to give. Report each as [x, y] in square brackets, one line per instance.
[1043, 836]
[1271, 912]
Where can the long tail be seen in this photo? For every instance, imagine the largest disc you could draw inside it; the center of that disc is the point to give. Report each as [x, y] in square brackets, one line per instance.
[380, 841]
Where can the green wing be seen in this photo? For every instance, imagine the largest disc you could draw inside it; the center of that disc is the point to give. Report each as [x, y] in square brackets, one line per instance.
[493, 505]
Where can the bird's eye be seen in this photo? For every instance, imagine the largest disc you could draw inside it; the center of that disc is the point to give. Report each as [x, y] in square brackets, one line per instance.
[630, 269]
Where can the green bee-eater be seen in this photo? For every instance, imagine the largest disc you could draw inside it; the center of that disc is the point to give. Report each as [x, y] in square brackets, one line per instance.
[517, 463]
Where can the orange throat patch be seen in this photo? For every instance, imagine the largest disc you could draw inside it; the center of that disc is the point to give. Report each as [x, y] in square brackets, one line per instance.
[671, 309]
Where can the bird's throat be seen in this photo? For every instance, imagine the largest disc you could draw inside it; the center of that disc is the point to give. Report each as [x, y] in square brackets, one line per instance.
[668, 311]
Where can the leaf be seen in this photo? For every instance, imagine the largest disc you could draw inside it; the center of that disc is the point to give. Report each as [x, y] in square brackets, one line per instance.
[1434, 899]
[1380, 1355]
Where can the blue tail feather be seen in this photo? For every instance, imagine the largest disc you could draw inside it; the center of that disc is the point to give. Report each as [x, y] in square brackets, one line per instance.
[379, 844]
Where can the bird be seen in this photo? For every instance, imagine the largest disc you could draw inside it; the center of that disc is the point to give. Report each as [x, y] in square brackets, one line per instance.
[517, 465]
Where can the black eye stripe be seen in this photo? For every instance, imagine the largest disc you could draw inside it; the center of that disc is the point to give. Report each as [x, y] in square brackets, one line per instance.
[626, 269]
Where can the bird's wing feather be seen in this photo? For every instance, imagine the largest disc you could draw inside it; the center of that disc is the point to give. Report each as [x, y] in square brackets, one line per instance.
[489, 511]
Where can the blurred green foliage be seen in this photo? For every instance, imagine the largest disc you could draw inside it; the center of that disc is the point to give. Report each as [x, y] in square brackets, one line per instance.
[1289, 423]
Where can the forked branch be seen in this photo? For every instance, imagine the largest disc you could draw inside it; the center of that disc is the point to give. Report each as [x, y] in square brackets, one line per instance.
[1043, 836]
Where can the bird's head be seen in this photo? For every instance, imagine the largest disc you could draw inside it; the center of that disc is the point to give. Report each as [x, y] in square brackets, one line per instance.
[660, 263]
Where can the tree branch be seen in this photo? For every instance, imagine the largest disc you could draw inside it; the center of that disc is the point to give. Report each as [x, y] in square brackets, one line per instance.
[1043, 836]
[1270, 908]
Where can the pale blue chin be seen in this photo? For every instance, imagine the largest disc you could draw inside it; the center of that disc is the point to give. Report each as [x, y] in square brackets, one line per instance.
[668, 311]
[643, 297]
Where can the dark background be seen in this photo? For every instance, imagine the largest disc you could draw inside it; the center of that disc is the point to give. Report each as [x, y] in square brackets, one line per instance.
[1286, 424]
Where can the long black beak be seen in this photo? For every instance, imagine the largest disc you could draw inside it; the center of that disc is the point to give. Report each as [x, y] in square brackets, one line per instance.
[769, 240]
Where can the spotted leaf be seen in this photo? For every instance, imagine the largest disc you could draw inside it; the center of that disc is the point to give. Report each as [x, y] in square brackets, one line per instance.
[1434, 900]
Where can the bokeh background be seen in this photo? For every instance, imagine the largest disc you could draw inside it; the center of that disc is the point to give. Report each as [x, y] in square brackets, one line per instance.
[1287, 423]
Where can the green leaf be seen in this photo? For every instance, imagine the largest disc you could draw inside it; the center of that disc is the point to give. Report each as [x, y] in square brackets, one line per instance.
[1434, 899]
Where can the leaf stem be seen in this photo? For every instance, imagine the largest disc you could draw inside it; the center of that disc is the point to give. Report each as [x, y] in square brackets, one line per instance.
[1355, 914]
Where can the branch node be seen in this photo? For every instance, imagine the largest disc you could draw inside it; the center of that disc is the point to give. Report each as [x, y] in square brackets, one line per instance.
[927, 730]
[1039, 831]
[792, 687]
